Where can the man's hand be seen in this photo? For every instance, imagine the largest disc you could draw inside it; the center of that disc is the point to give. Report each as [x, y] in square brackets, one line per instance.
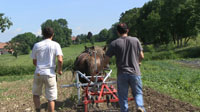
[60, 63]
[60, 72]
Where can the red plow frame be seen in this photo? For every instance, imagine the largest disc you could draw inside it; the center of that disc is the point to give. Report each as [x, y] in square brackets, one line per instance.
[95, 92]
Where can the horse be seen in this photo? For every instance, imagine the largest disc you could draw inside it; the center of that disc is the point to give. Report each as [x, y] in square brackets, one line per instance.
[86, 63]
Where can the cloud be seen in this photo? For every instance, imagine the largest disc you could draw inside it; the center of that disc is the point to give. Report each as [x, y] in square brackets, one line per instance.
[38, 32]
[17, 30]
[78, 28]
[9, 34]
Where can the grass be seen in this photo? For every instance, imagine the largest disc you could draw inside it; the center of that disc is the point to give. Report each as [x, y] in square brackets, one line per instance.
[25, 60]
[170, 51]
[166, 76]
[15, 78]
[23, 64]
[169, 77]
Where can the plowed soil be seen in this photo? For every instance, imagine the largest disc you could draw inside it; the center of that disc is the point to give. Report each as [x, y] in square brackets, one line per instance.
[17, 97]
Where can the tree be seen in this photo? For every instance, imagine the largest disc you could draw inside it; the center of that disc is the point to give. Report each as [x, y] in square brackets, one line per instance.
[62, 34]
[82, 38]
[21, 44]
[130, 17]
[112, 33]
[187, 23]
[148, 23]
[89, 37]
[4, 23]
[103, 35]
[164, 21]
[26, 38]
[13, 47]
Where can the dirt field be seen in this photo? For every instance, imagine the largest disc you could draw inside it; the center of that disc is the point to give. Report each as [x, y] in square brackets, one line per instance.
[16, 97]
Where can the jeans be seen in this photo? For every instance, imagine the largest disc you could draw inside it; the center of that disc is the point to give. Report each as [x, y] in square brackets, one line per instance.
[123, 83]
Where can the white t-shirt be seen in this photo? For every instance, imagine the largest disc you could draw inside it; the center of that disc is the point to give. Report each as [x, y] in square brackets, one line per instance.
[45, 52]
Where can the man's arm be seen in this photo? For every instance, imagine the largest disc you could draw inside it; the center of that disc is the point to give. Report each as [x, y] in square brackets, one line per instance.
[35, 62]
[106, 61]
[141, 57]
[60, 63]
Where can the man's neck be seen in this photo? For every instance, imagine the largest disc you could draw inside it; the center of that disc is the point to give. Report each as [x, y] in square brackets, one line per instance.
[50, 38]
[124, 35]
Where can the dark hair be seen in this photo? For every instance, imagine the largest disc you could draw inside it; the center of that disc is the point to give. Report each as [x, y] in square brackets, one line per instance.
[47, 32]
[122, 28]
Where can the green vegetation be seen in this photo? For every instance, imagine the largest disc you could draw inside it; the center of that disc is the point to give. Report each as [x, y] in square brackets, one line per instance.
[169, 77]
[192, 50]
[162, 22]
[21, 44]
[23, 64]
[62, 34]
[159, 73]
[4, 22]
[15, 78]
[162, 71]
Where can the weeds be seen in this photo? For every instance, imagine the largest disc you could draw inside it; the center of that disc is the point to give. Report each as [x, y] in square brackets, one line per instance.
[171, 78]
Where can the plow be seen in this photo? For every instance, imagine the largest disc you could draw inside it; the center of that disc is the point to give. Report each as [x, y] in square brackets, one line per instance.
[95, 92]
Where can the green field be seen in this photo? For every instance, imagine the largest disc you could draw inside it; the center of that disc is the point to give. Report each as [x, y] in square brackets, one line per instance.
[23, 64]
[172, 78]
[168, 75]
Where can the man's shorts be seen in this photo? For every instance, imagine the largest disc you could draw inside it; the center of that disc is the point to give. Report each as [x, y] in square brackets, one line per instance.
[50, 86]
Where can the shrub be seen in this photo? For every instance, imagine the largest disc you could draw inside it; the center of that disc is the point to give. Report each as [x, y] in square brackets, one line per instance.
[16, 70]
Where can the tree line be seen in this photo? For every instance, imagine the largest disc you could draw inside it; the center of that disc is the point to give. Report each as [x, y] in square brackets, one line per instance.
[23, 43]
[158, 22]
[164, 21]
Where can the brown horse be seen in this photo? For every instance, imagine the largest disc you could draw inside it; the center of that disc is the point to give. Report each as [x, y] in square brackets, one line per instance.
[86, 63]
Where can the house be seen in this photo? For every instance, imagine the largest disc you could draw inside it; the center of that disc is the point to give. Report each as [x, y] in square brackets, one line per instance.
[2, 49]
[74, 40]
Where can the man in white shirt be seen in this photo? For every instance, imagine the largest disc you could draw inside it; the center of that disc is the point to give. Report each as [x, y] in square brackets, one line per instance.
[44, 55]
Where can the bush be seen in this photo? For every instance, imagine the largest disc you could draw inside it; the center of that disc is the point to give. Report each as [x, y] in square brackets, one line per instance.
[16, 70]
[68, 65]
[148, 48]
[25, 70]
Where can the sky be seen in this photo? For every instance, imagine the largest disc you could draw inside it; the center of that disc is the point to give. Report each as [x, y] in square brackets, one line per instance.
[82, 15]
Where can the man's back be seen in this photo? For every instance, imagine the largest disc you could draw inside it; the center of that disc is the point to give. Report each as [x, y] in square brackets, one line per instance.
[127, 51]
[45, 52]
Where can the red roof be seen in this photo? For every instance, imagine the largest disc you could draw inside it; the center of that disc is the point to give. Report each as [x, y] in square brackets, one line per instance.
[73, 38]
[2, 45]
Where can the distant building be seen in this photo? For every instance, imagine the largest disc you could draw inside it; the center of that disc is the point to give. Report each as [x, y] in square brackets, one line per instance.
[74, 40]
[2, 49]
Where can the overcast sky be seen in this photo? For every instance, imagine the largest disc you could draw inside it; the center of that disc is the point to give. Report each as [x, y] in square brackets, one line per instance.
[82, 15]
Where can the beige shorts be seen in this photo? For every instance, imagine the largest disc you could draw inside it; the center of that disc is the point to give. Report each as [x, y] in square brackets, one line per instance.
[50, 86]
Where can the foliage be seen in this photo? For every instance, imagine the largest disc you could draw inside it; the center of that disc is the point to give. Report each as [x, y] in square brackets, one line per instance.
[130, 17]
[102, 36]
[171, 78]
[82, 38]
[4, 23]
[16, 70]
[112, 33]
[164, 21]
[62, 34]
[15, 78]
[21, 44]
[90, 37]
[168, 52]
[23, 65]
